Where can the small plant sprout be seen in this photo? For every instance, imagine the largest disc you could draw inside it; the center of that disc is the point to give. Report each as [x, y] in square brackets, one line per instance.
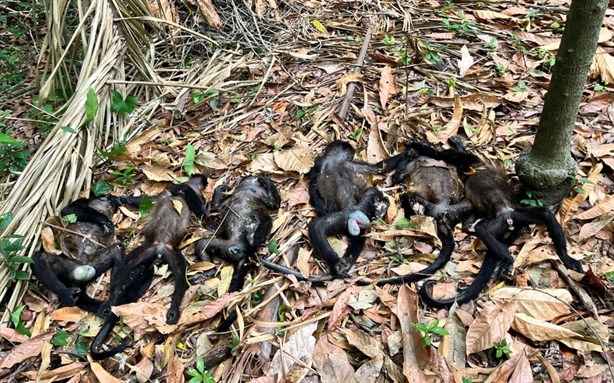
[532, 199]
[581, 182]
[501, 348]
[428, 331]
[123, 106]
[200, 373]
[124, 177]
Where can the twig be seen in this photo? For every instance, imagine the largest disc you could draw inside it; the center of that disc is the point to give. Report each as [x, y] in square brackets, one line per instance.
[345, 106]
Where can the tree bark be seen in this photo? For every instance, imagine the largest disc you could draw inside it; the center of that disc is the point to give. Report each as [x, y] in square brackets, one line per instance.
[548, 169]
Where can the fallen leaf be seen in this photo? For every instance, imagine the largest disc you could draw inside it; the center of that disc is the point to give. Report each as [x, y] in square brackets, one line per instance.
[465, 62]
[208, 11]
[178, 206]
[12, 335]
[331, 362]
[490, 326]
[343, 82]
[175, 370]
[298, 349]
[539, 330]
[157, 173]
[263, 163]
[605, 65]
[298, 196]
[366, 343]
[102, 374]
[453, 346]
[369, 371]
[387, 87]
[67, 314]
[544, 304]
[415, 358]
[296, 159]
[320, 27]
[27, 349]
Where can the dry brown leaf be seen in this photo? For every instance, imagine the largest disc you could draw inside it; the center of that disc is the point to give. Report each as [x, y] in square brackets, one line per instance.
[465, 62]
[590, 229]
[163, 9]
[157, 173]
[490, 15]
[67, 314]
[369, 371]
[415, 356]
[453, 347]
[208, 11]
[102, 374]
[134, 148]
[387, 87]
[343, 82]
[590, 329]
[451, 128]
[605, 65]
[302, 261]
[263, 163]
[545, 304]
[298, 349]
[474, 101]
[27, 349]
[490, 326]
[375, 149]
[12, 335]
[341, 309]
[48, 240]
[297, 196]
[366, 343]
[570, 204]
[331, 362]
[144, 368]
[178, 206]
[175, 370]
[296, 159]
[522, 371]
[539, 330]
[601, 150]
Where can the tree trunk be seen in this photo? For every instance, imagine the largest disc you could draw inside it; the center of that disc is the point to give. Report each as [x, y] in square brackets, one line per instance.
[548, 169]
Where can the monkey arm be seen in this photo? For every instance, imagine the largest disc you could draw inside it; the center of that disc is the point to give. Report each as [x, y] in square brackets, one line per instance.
[543, 215]
[314, 195]
[84, 213]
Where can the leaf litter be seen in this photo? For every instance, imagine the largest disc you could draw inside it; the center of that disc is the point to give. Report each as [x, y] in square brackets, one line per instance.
[266, 98]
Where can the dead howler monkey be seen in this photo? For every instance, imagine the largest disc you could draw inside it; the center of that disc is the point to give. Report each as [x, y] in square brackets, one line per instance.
[246, 224]
[165, 227]
[89, 249]
[497, 218]
[435, 184]
[341, 192]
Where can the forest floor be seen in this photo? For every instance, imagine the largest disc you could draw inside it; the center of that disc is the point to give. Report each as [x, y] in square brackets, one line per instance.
[431, 71]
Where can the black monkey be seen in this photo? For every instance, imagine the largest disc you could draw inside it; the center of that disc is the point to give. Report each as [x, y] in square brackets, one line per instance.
[342, 194]
[433, 188]
[89, 249]
[246, 224]
[165, 227]
[497, 218]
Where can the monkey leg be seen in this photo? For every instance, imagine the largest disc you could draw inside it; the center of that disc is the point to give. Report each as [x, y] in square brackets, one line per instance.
[315, 198]
[103, 334]
[49, 267]
[178, 265]
[489, 265]
[543, 215]
[319, 230]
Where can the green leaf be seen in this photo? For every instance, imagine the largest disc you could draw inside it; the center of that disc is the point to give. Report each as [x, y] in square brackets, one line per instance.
[8, 140]
[60, 338]
[123, 106]
[5, 220]
[80, 347]
[200, 364]
[440, 331]
[403, 223]
[91, 105]
[22, 275]
[22, 259]
[70, 218]
[193, 372]
[68, 129]
[319, 26]
[16, 315]
[21, 329]
[420, 327]
[114, 152]
[145, 206]
[188, 161]
[196, 379]
[101, 188]
[273, 247]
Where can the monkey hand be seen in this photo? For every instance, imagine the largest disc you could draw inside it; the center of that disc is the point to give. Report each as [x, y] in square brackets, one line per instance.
[416, 208]
[336, 270]
[108, 229]
[357, 221]
[69, 296]
[506, 272]
[577, 266]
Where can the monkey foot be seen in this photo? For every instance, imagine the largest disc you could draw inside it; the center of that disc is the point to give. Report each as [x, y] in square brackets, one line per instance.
[84, 273]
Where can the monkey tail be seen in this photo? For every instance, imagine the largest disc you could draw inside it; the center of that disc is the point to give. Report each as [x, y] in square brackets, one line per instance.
[473, 291]
[447, 246]
[105, 331]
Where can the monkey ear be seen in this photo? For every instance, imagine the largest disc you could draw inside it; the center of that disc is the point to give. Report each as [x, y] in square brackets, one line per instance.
[357, 221]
